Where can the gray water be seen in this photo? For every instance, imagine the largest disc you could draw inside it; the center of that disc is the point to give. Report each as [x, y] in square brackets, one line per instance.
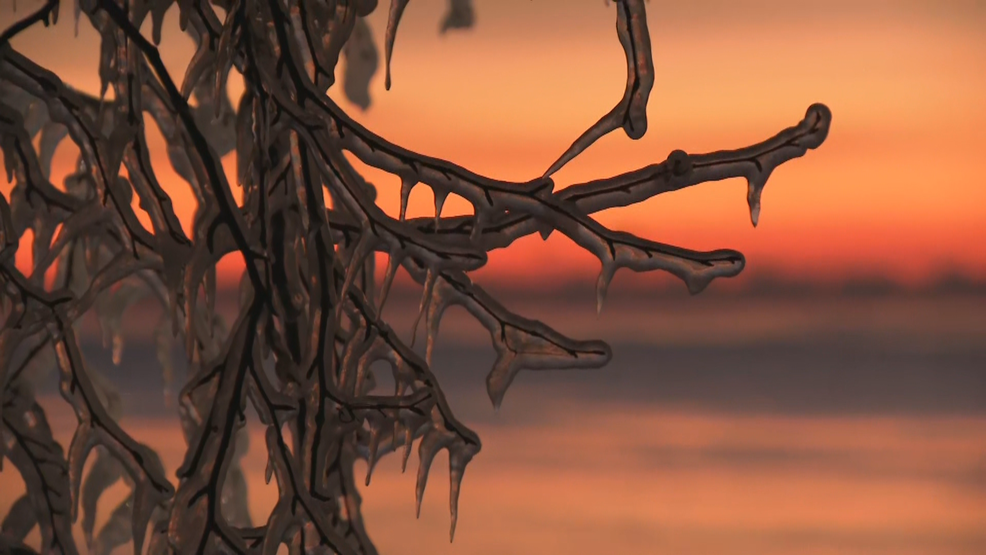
[772, 426]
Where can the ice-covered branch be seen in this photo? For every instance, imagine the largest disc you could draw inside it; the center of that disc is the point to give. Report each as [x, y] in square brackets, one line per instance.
[631, 112]
[309, 329]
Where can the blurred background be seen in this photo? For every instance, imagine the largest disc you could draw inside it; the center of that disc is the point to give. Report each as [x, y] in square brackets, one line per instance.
[830, 399]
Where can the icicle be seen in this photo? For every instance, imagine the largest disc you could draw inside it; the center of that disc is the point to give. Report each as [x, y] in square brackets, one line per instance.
[396, 11]
[51, 135]
[79, 448]
[363, 247]
[103, 87]
[426, 454]
[457, 459]
[477, 226]
[107, 334]
[158, 11]
[183, 21]
[117, 348]
[223, 58]
[425, 301]
[78, 15]
[434, 320]
[430, 347]
[697, 283]
[631, 112]
[408, 439]
[177, 297]
[440, 196]
[388, 279]
[500, 376]
[371, 458]
[434, 441]
[189, 311]
[361, 369]
[397, 434]
[754, 188]
[602, 284]
[210, 297]
[407, 183]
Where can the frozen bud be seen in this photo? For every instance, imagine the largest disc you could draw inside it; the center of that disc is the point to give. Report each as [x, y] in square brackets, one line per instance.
[679, 163]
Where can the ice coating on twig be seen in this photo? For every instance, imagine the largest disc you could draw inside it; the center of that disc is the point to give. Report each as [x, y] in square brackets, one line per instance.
[631, 112]
[42, 465]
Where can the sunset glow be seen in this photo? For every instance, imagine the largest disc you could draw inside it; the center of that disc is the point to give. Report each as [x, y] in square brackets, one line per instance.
[897, 189]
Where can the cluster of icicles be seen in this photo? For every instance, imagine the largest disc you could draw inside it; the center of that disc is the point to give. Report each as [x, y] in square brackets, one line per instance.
[309, 329]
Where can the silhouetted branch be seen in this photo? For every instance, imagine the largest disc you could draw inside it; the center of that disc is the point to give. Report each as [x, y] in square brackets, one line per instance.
[309, 329]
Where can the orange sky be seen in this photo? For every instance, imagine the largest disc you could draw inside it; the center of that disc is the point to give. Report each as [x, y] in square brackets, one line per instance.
[897, 189]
